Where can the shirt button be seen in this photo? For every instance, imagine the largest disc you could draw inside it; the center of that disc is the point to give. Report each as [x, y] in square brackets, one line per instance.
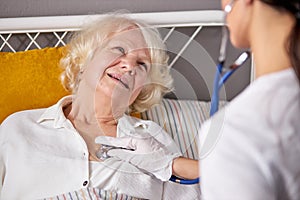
[85, 183]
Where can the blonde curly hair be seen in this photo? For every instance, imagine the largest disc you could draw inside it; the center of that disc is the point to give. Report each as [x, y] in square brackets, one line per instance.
[84, 43]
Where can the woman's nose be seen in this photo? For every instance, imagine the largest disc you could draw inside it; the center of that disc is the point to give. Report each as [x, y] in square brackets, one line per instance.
[128, 63]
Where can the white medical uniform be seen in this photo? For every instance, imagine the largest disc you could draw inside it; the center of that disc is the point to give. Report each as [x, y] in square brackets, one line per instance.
[251, 149]
[42, 155]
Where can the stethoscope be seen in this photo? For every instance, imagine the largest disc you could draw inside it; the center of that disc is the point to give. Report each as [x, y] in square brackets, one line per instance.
[221, 76]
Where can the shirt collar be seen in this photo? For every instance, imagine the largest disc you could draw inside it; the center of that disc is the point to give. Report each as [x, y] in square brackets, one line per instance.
[56, 113]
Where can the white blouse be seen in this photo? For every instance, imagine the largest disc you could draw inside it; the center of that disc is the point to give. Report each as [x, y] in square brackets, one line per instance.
[42, 155]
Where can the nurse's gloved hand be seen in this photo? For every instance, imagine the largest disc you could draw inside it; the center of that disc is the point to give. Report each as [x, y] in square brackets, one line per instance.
[148, 154]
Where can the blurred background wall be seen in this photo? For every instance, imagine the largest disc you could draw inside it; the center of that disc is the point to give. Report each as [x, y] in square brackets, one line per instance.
[18, 8]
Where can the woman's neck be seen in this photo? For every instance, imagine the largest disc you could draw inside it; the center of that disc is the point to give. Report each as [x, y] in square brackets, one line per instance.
[87, 120]
[269, 36]
[89, 130]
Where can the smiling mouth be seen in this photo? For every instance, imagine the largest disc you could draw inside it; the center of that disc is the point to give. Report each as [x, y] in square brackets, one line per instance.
[118, 79]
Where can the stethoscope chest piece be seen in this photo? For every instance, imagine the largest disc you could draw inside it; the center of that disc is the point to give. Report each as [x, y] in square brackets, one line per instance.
[102, 154]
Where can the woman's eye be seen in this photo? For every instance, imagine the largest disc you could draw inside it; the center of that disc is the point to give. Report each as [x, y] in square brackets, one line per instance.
[144, 65]
[120, 49]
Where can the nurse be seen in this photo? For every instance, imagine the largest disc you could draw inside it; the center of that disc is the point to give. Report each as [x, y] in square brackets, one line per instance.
[256, 152]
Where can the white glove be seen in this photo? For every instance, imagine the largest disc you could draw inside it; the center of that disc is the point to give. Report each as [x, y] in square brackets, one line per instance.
[149, 155]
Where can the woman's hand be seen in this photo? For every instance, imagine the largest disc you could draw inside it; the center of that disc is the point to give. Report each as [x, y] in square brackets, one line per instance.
[155, 160]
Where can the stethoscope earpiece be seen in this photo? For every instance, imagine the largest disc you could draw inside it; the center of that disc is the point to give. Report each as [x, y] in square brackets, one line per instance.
[228, 7]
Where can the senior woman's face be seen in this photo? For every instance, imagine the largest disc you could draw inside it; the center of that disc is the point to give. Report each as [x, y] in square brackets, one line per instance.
[120, 69]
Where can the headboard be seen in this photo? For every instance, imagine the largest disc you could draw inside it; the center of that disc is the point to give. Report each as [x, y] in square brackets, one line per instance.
[192, 38]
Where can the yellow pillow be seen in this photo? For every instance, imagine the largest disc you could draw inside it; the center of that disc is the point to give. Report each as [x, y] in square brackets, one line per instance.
[29, 80]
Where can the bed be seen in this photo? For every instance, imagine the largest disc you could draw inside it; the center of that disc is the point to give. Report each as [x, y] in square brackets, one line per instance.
[31, 47]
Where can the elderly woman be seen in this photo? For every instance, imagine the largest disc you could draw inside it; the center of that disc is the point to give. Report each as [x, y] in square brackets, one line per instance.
[112, 67]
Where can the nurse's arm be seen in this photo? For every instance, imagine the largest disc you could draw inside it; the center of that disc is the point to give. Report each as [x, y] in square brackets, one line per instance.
[185, 168]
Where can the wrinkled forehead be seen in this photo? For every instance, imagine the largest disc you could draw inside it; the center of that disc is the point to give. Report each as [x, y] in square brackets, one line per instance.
[132, 39]
[131, 35]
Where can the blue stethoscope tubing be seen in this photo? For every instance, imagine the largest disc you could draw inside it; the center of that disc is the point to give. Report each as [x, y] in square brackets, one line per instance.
[184, 181]
[220, 79]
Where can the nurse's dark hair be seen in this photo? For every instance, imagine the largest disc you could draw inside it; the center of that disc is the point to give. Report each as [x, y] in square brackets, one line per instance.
[293, 7]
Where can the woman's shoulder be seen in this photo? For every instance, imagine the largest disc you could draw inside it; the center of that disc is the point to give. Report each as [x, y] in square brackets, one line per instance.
[16, 124]
[267, 95]
[269, 105]
[35, 115]
[19, 118]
